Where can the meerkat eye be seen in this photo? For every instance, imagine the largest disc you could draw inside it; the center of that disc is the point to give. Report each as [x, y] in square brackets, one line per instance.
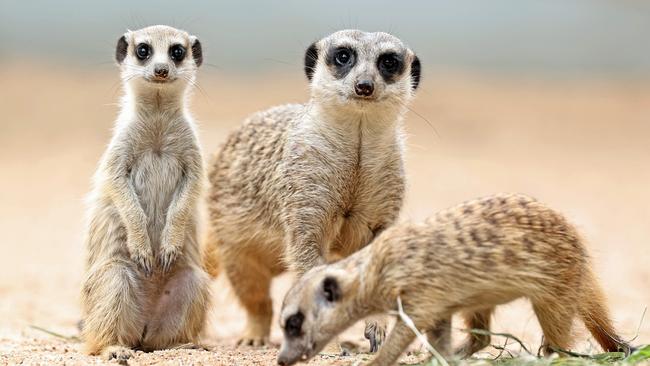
[177, 52]
[342, 57]
[331, 289]
[293, 326]
[143, 51]
[389, 63]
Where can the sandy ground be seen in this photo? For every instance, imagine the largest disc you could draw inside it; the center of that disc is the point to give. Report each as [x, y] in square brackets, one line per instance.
[581, 146]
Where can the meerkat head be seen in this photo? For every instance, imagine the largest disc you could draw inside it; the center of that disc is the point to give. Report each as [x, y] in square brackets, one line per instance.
[362, 70]
[158, 56]
[317, 308]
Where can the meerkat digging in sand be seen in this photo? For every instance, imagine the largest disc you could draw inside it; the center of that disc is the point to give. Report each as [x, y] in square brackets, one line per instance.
[468, 259]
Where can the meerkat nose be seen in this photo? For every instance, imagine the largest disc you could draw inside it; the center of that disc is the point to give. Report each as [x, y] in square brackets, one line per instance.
[161, 71]
[364, 88]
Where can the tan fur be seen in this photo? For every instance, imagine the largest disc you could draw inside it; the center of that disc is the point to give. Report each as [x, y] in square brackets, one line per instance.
[300, 185]
[467, 259]
[144, 285]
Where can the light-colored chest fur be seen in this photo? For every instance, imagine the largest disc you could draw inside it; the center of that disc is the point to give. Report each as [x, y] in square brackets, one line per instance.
[360, 162]
[161, 145]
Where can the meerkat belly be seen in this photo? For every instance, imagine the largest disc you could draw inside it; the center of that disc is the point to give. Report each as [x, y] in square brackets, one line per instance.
[155, 178]
[357, 226]
[370, 207]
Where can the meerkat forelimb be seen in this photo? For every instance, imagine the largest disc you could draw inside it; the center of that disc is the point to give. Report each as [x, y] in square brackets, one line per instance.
[145, 286]
[469, 259]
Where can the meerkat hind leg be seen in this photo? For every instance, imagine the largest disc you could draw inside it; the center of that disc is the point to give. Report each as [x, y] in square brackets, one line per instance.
[179, 314]
[251, 282]
[113, 296]
[556, 320]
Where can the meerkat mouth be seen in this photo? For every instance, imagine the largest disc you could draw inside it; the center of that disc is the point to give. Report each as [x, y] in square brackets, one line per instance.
[364, 99]
[359, 98]
[160, 81]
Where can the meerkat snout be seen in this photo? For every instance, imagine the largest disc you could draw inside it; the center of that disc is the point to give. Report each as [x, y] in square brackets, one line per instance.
[145, 58]
[364, 88]
[161, 71]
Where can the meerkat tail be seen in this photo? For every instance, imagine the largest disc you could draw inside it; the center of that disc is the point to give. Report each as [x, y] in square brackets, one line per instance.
[595, 314]
[210, 255]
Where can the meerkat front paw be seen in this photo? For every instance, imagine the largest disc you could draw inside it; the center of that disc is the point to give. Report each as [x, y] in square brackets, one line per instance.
[253, 341]
[375, 333]
[142, 255]
[167, 256]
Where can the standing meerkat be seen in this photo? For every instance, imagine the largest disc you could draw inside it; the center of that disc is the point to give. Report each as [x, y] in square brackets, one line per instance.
[304, 184]
[144, 285]
[468, 259]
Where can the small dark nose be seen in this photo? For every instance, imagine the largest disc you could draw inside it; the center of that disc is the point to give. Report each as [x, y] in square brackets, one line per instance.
[364, 88]
[282, 362]
[161, 71]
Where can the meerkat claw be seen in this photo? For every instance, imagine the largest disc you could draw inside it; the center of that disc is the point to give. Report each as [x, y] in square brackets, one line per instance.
[167, 258]
[121, 354]
[252, 342]
[144, 262]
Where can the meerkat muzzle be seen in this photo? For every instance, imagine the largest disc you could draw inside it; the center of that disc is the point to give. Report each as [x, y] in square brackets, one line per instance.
[161, 72]
[364, 88]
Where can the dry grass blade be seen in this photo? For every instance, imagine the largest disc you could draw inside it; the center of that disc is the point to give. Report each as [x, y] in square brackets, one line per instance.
[507, 335]
[421, 337]
[58, 335]
[502, 349]
[607, 356]
[638, 328]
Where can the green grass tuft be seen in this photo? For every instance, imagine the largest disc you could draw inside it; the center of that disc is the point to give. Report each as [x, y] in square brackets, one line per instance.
[641, 355]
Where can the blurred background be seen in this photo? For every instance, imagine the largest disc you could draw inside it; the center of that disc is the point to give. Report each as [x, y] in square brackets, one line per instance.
[549, 98]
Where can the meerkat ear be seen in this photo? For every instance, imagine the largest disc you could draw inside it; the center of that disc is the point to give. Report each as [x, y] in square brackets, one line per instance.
[415, 72]
[120, 50]
[311, 56]
[331, 289]
[197, 51]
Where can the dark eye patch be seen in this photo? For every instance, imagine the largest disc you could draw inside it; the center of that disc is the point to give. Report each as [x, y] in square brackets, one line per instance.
[177, 53]
[341, 60]
[143, 51]
[331, 289]
[293, 325]
[390, 66]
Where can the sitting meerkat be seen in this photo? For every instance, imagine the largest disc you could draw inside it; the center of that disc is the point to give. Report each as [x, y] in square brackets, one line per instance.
[144, 285]
[305, 184]
[467, 259]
